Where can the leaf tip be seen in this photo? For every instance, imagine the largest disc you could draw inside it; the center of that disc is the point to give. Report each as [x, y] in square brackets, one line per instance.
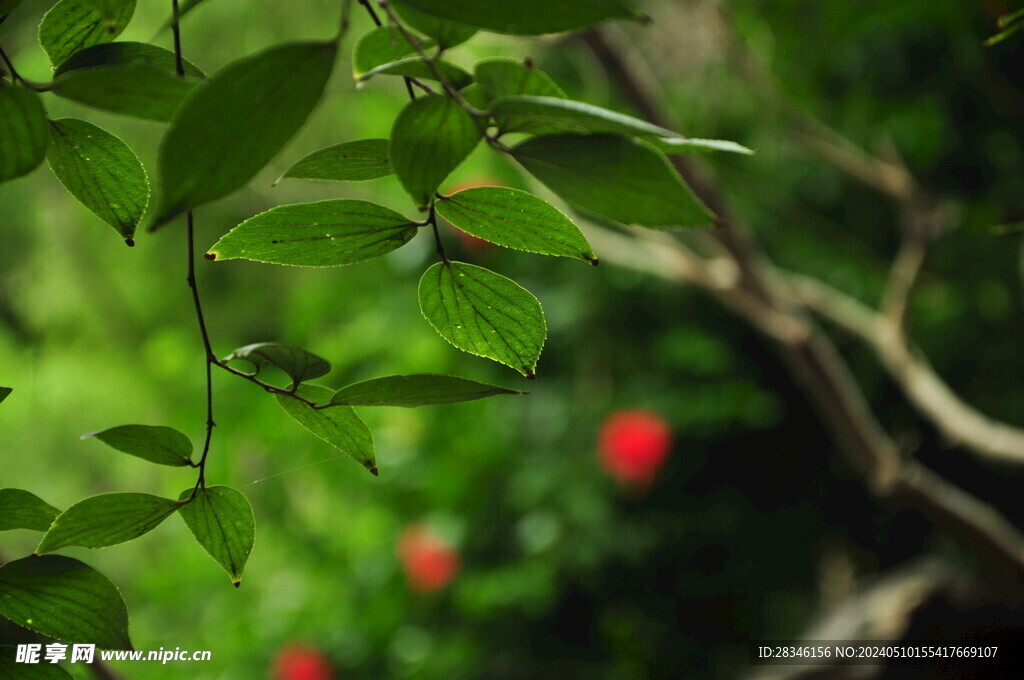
[210, 256]
[130, 242]
[374, 471]
[530, 375]
[237, 584]
[592, 260]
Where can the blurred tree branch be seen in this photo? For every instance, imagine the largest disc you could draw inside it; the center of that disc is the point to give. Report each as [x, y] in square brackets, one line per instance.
[741, 277]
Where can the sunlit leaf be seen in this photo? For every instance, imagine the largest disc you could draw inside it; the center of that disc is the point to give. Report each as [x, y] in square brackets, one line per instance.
[296, 362]
[420, 389]
[339, 426]
[381, 45]
[357, 161]
[107, 519]
[64, 599]
[23, 510]
[155, 443]
[321, 234]
[222, 522]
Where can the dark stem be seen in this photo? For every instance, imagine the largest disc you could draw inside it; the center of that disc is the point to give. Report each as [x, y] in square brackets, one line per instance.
[432, 221]
[179, 62]
[10, 66]
[373, 14]
[211, 359]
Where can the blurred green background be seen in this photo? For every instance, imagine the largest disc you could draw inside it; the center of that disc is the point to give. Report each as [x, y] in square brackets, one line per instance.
[751, 526]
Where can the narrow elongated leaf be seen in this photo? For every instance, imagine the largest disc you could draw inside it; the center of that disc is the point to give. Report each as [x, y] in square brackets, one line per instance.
[155, 443]
[101, 171]
[552, 115]
[4, 393]
[503, 77]
[484, 313]
[221, 519]
[124, 53]
[23, 510]
[321, 234]
[419, 389]
[109, 9]
[107, 519]
[73, 25]
[64, 599]
[614, 177]
[10, 669]
[229, 127]
[527, 17]
[339, 426]
[693, 145]
[430, 137]
[415, 67]
[382, 45]
[296, 362]
[138, 90]
[23, 132]
[357, 161]
[447, 33]
[515, 219]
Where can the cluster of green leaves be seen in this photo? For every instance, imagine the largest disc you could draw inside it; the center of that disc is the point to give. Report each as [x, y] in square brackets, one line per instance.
[222, 131]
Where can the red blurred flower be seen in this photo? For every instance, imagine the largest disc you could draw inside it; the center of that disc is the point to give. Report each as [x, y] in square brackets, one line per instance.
[298, 661]
[429, 563]
[632, 445]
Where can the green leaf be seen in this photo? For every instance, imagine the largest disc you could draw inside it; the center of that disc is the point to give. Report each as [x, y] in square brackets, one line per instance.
[24, 133]
[447, 33]
[527, 17]
[155, 443]
[23, 510]
[322, 234]
[502, 77]
[415, 67]
[124, 53]
[484, 313]
[101, 171]
[421, 389]
[614, 177]
[693, 145]
[339, 426]
[551, 115]
[109, 9]
[64, 599]
[138, 90]
[8, 6]
[73, 25]
[233, 124]
[4, 393]
[382, 45]
[221, 519]
[107, 519]
[357, 161]
[515, 219]
[12, 670]
[296, 362]
[430, 137]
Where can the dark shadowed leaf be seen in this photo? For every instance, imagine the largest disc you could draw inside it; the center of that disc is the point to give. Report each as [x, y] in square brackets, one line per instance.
[155, 443]
[527, 17]
[138, 90]
[515, 219]
[123, 53]
[229, 127]
[101, 171]
[339, 426]
[10, 669]
[614, 177]
[447, 33]
[381, 45]
[8, 6]
[73, 25]
[416, 390]
[430, 137]
[23, 510]
[107, 519]
[24, 133]
[222, 522]
[415, 67]
[4, 393]
[321, 234]
[484, 313]
[357, 161]
[296, 362]
[64, 599]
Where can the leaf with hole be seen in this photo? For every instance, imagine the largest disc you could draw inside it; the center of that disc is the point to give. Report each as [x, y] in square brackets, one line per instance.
[125, 53]
[421, 389]
[232, 125]
[484, 313]
[73, 25]
[101, 171]
[107, 519]
[339, 426]
[297, 363]
[527, 17]
[429, 139]
[222, 522]
[358, 161]
[446, 33]
[155, 443]
[24, 133]
[322, 234]
[614, 177]
[515, 219]
[381, 45]
[415, 67]
[24, 510]
[64, 599]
